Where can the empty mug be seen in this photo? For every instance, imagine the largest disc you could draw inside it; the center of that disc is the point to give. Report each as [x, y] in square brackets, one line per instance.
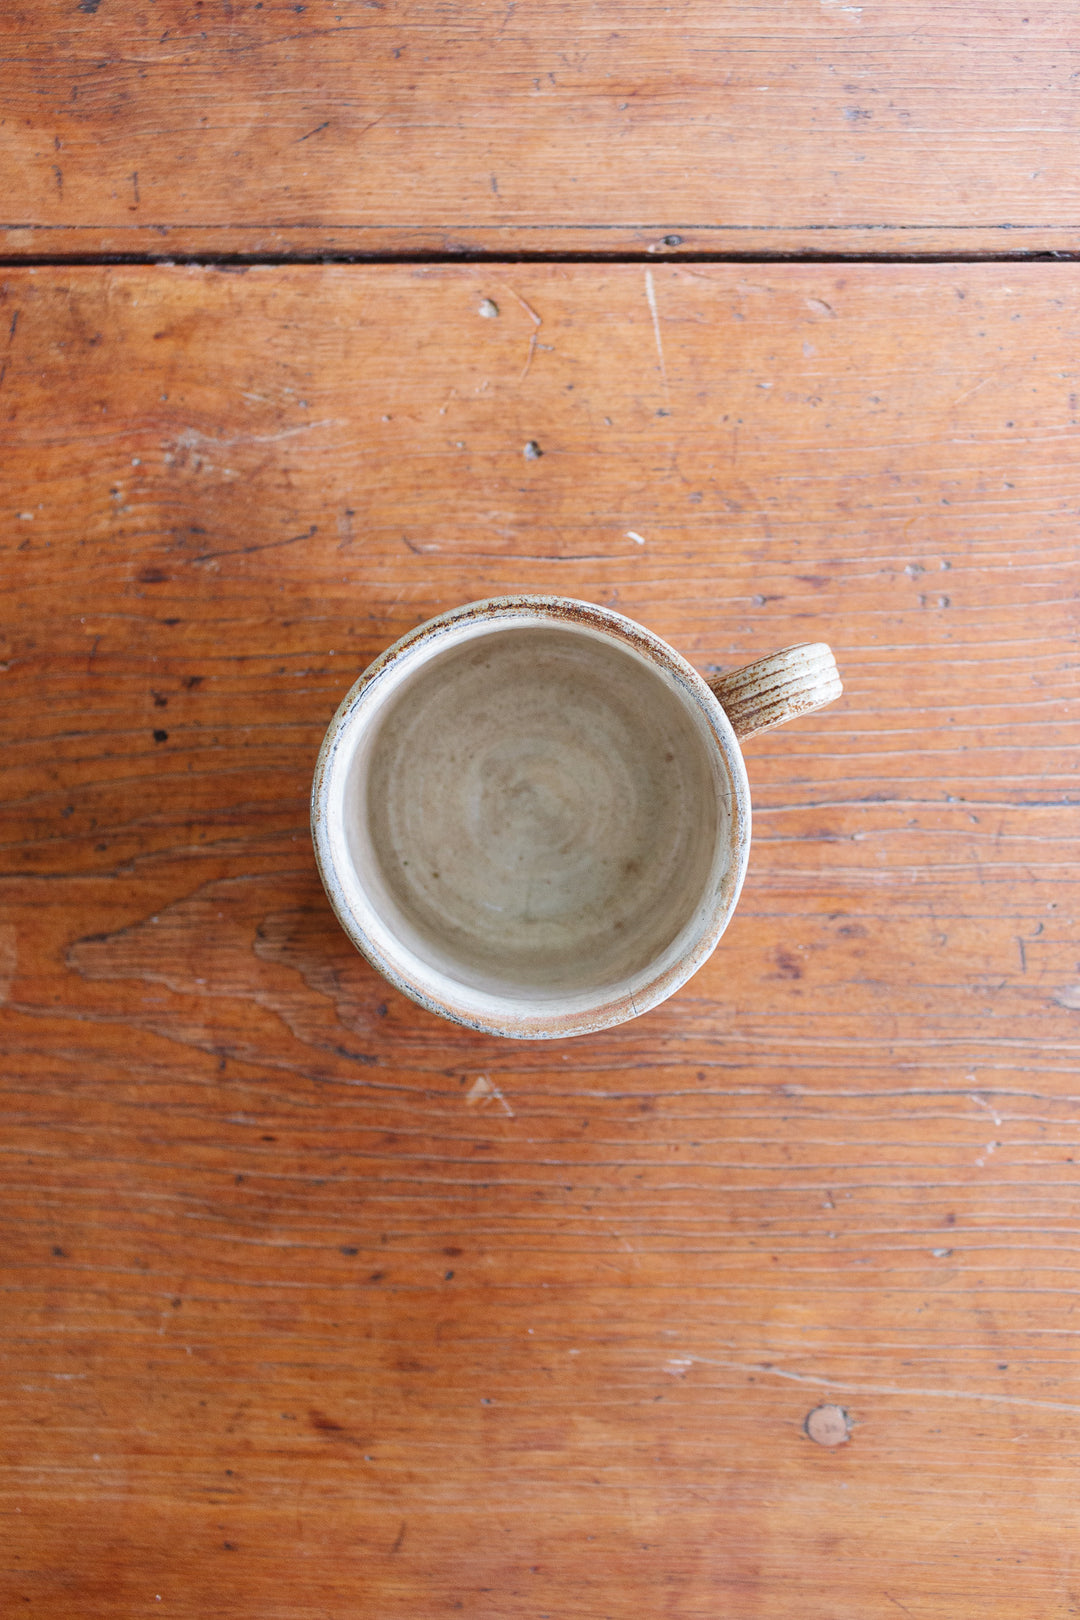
[533, 817]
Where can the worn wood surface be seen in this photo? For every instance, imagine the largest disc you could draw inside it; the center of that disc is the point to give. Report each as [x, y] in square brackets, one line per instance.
[407, 126]
[315, 1305]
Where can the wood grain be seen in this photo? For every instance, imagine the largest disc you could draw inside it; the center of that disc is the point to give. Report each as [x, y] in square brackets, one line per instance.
[316, 1305]
[415, 126]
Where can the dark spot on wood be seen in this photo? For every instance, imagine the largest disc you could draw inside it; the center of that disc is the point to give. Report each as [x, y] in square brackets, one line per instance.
[190, 681]
[452, 1250]
[348, 1248]
[355, 1057]
[59, 1252]
[787, 964]
[89, 6]
[161, 736]
[151, 575]
[324, 1424]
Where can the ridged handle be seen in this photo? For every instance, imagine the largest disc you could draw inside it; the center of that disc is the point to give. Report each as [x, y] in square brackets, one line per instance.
[773, 690]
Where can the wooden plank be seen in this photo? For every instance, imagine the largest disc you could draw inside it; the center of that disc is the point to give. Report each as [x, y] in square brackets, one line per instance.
[303, 1318]
[406, 127]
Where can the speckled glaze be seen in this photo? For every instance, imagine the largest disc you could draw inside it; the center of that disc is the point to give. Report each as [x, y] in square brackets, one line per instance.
[532, 815]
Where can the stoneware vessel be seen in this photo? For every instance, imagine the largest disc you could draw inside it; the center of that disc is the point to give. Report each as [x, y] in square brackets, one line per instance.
[533, 817]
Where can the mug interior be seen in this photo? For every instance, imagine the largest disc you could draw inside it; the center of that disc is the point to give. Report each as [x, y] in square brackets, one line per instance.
[530, 823]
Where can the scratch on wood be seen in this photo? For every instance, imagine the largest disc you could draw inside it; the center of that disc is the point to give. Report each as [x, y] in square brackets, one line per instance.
[483, 1091]
[763, 1369]
[192, 438]
[970, 391]
[995, 1116]
[537, 324]
[326, 125]
[265, 545]
[650, 293]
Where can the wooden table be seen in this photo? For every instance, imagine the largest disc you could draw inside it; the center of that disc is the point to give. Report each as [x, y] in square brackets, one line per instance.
[762, 1305]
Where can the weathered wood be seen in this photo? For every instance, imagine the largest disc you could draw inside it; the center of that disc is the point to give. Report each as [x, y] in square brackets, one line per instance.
[315, 1304]
[229, 126]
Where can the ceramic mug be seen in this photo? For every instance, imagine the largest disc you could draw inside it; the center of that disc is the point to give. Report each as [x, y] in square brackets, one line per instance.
[533, 817]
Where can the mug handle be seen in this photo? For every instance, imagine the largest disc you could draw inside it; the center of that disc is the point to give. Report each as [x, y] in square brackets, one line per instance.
[770, 691]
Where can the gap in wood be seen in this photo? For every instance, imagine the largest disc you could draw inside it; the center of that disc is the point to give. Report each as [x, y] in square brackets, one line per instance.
[482, 256]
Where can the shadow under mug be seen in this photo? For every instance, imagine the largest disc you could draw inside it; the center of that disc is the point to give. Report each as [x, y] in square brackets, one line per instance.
[533, 817]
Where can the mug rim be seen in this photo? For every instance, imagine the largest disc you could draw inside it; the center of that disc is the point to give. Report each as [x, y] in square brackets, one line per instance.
[622, 1004]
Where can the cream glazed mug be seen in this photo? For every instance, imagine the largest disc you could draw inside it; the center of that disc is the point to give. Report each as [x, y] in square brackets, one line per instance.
[533, 817]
